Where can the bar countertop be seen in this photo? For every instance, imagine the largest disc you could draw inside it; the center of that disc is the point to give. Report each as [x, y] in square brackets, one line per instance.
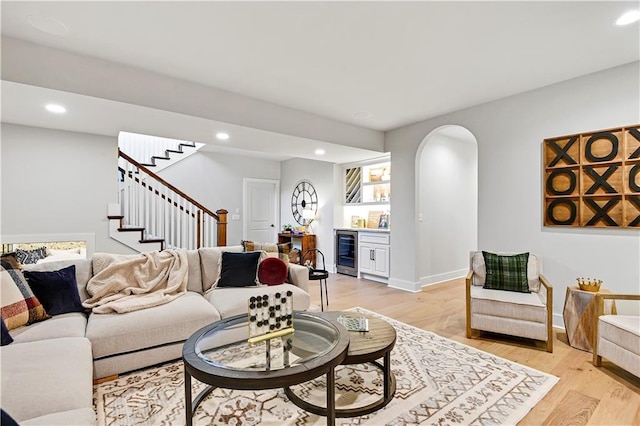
[383, 230]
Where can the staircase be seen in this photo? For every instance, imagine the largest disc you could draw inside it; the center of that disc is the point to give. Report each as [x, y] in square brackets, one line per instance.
[155, 152]
[155, 215]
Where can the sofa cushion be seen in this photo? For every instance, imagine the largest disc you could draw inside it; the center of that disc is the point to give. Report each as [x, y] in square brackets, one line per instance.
[79, 417]
[19, 305]
[113, 333]
[522, 306]
[235, 301]
[506, 272]
[56, 290]
[6, 337]
[194, 278]
[622, 330]
[239, 269]
[32, 388]
[210, 263]
[73, 324]
[272, 271]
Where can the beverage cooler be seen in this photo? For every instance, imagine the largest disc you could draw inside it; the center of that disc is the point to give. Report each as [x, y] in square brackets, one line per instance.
[347, 252]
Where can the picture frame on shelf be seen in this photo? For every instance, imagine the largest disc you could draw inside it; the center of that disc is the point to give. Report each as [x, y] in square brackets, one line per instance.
[383, 223]
[374, 219]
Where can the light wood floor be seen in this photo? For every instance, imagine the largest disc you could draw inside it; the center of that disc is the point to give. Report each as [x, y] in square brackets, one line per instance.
[585, 395]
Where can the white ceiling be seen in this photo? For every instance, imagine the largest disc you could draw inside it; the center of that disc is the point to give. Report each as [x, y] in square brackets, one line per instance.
[401, 61]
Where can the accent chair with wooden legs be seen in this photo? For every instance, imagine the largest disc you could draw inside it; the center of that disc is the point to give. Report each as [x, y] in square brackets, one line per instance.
[617, 337]
[507, 294]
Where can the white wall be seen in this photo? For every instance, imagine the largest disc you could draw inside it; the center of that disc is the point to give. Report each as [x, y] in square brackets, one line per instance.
[321, 175]
[216, 181]
[56, 182]
[510, 134]
[448, 205]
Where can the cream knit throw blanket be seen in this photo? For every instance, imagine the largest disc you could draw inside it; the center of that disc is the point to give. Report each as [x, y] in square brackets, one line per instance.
[125, 283]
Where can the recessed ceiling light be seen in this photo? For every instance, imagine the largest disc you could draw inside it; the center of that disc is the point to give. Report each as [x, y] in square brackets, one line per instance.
[319, 151]
[48, 25]
[628, 18]
[362, 114]
[58, 109]
[222, 136]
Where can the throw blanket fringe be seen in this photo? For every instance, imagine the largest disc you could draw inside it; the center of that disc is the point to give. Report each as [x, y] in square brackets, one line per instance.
[125, 283]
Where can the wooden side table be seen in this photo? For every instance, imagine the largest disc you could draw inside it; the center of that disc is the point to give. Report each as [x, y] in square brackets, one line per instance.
[578, 315]
[302, 242]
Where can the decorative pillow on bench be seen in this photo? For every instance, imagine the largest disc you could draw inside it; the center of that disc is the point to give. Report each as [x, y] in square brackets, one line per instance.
[31, 256]
[506, 272]
[283, 250]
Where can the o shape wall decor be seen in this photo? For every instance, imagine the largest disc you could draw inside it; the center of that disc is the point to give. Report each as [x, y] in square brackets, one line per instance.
[593, 179]
[304, 197]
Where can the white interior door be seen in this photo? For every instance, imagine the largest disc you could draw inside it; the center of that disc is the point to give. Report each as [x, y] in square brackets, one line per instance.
[261, 210]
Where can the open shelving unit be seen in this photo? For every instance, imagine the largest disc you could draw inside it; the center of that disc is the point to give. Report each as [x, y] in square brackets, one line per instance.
[368, 184]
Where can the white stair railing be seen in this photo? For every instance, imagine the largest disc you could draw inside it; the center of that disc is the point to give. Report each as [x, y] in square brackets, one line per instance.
[165, 212]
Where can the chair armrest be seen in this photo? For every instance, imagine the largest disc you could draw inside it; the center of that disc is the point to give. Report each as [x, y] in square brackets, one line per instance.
[467, 286]
[469, 277]
[545, 283]
[600, 297]
[299, 276]
[548, 290]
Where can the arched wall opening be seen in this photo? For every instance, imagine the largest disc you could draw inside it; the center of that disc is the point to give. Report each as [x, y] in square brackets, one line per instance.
[447, 203]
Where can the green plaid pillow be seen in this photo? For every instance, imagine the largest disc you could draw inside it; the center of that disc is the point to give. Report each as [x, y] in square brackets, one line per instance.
[506, 272]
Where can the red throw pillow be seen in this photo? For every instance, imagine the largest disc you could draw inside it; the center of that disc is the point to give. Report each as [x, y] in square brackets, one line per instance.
[272, 271]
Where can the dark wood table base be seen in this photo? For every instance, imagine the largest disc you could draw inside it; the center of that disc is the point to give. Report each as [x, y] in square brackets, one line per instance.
[387, 395]
[364, 348]
[330, 412]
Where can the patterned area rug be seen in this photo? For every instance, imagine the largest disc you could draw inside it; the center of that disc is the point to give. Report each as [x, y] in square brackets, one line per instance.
[439, 382]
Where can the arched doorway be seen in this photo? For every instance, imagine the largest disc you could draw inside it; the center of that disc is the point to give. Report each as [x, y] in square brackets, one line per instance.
[447, 203]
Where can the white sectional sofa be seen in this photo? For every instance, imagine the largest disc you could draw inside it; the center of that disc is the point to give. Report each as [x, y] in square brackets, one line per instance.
[59, 358]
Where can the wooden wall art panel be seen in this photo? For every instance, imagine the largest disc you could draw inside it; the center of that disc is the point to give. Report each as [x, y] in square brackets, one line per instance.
[593, 179]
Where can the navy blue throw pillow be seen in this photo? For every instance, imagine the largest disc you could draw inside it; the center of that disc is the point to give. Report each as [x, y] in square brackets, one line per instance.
[56, 290]
[6, 337]
[239, 269]
[6, 419]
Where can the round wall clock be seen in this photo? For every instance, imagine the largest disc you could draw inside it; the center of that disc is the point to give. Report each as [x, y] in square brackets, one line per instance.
[304, 197]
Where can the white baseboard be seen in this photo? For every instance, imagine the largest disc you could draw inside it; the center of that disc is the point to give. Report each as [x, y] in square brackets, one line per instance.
[558, 321]
[439, 278]
[413, 287]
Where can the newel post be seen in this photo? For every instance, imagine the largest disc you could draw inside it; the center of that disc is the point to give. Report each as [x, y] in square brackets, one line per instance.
[222, 227]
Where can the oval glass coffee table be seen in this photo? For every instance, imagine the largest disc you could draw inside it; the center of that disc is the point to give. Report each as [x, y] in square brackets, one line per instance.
[220, 356]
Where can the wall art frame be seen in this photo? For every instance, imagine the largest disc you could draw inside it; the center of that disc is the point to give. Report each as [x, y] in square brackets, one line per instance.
[592, 179]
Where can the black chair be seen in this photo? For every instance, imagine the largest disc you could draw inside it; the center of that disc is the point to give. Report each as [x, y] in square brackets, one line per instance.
[318, 274]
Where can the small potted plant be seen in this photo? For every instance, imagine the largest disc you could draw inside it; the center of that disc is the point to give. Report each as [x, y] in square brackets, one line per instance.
[287, 228]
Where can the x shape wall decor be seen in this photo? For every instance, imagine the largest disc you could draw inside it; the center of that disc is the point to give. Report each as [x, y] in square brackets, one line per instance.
[593, 179]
